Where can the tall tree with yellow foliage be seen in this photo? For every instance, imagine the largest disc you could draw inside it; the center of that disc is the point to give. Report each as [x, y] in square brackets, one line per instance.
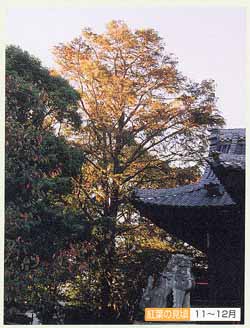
[133, 99]
[139, 112]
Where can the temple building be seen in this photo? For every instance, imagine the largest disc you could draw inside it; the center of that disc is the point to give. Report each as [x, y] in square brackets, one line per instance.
[209, 215]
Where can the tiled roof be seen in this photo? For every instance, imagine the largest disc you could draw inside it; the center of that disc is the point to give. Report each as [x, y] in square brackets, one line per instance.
[197, 195]
[230, 161]
[193, 195]
[228, 139]
[230, 169]
[228, 133]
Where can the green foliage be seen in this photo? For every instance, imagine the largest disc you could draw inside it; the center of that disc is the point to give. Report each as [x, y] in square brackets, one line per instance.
[33, 94]
[39, 171]
[36, 224]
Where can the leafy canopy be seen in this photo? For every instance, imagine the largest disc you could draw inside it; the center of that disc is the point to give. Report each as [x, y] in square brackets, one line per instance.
[39, 168]
[34, 95]
[138, 109]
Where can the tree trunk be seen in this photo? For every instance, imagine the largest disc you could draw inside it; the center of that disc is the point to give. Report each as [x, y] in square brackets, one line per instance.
[108, 253]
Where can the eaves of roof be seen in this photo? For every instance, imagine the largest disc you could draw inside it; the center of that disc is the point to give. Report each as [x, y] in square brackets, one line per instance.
[193, 195]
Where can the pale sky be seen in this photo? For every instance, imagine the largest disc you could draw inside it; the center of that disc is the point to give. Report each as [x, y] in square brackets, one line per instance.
[210, 42]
